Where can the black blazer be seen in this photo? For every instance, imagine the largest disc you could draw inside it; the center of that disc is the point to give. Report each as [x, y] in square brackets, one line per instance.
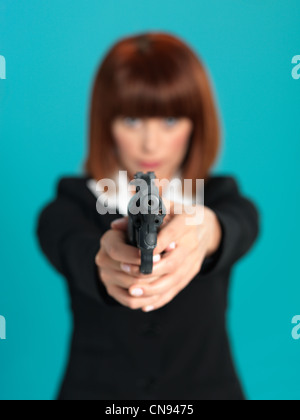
[180, 351]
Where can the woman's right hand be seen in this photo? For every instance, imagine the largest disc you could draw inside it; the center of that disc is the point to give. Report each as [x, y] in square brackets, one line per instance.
[111, 260]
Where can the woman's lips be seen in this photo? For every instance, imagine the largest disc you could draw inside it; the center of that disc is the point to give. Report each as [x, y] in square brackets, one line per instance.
[150, 165]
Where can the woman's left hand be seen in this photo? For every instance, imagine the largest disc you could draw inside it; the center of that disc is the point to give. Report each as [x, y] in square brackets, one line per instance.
[185, 246]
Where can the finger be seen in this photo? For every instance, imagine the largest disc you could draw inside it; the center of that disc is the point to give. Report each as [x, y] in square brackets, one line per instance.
[116, 247]
[105, 262]
[169, 294]
[160, 302]
[171, 247]
[158, 287]
[118, 278]
[122, 279]
[170, 261]
[172, 285]
[122, 296]
[135, 270]
[172, 232]
[121, 224]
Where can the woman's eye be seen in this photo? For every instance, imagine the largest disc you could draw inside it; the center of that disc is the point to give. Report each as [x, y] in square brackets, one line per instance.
[132, 121]
[170, 121]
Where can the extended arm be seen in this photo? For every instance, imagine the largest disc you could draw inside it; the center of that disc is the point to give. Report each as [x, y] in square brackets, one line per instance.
[239, 220]
[70, 242]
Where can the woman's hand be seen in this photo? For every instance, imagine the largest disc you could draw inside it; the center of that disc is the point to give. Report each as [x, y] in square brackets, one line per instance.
[112, 259]
[186, 247]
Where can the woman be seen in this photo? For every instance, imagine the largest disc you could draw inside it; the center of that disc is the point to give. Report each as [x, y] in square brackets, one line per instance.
[162, 335]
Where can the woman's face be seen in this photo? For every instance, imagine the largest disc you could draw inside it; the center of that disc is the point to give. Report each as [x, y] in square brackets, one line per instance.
[152, 144]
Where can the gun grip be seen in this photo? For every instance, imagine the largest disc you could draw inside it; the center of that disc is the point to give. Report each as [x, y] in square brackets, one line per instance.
[147, 261]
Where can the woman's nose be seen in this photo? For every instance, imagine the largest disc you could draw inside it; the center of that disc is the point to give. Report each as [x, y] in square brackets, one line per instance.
[150, 139]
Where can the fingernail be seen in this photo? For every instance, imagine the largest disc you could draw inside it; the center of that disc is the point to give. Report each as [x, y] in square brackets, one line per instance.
[126, 267]
[149, 308]
[172, 245]
[137, 292]
[156, 258]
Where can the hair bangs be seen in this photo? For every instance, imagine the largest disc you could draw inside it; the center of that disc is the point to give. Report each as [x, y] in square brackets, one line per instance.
[153, 91]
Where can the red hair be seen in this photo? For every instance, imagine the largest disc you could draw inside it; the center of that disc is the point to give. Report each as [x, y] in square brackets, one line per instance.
[153, 74]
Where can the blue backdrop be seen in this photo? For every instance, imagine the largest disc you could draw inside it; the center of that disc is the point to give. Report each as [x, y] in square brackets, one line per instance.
[52, 50]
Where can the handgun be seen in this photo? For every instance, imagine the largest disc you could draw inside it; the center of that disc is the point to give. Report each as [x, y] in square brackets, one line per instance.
[146, 213]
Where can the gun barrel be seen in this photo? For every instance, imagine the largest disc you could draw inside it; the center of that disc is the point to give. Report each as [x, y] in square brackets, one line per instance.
[146, 212]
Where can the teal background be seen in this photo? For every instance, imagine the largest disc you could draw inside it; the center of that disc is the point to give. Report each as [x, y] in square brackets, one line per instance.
[52, 50]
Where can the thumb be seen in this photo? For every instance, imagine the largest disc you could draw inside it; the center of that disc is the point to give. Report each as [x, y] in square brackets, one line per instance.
[120, 224]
